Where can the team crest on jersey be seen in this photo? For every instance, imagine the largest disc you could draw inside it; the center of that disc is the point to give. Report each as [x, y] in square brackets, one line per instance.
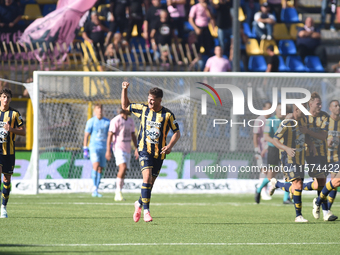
[153, 133]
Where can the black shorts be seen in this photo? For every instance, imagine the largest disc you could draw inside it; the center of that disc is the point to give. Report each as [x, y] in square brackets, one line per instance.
[317, 166]
[7, 162]
[273, 157]
[291, 171]
[148, 161]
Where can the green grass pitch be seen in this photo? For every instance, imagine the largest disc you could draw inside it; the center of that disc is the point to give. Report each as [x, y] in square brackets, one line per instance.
[182, 224]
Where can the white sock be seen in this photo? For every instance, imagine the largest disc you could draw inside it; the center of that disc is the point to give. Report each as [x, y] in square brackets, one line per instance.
[146, 211]
[325, 212]
[137, 202]
[118, 184]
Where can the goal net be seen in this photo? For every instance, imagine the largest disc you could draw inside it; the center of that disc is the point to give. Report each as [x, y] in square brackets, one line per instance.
[63, 102]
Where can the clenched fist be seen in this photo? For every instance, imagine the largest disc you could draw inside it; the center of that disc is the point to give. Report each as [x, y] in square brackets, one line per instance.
[125, 85]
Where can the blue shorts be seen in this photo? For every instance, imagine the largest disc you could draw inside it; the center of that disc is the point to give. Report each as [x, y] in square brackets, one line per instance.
[98, 155]
[148, 161]
[317, 166]
[7, 162]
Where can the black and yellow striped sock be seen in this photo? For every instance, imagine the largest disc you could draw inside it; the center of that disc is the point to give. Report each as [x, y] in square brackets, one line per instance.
[146, 195]
[331, 197]
[297, 201]
[5, 193]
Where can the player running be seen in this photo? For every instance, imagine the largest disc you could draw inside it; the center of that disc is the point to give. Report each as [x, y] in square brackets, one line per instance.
[97, 127]
[333, 159]
[11, 124]
[121, 132]
[290, 139]
[317, 130]
[155, 123]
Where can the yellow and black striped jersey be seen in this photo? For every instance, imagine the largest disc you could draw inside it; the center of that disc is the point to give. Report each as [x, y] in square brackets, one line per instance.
[7, 139]
[290, 135]
[154, 128]
[333, 151]
[316, 124]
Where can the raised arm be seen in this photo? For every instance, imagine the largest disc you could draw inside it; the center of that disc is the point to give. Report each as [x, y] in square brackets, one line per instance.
[124, 97]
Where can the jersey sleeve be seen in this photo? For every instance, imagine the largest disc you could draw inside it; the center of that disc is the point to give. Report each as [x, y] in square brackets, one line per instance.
[173, 123]
[192, 13]
[18, 120]
[89, 126]
[136, 109]
[113, 126]
[280, 131]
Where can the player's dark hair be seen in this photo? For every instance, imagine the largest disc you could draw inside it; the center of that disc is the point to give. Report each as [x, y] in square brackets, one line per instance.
[313, 97]
[7, 92]
[157, 92]
[334, 100]
[270, 47]
[98, 105]
[265, 103]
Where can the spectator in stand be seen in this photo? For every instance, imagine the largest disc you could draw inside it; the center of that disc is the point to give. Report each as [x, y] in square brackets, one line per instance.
[308, 42]
[152, 17]
[94, 33]
[224, 24]
[199, 17]
[136, 17]
[117, 18]
[10, 15]
[324, 5]
[176, 8]
[250, 7]
[161, 34]
[244, 56]
[197, 62]
[276, 6]
[273, 60]
[264, 22]
[217, 63]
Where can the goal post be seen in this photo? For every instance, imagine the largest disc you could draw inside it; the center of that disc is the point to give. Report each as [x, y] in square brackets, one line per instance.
[62, 103]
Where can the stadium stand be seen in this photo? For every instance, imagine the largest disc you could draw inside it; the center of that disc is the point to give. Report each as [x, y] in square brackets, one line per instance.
[257, 64]
[294, 64]
[282, 65]
[289, 15]
[32, 12]
[252, 47]
[265, 43]
[281, 32]
[313, 64]
[287, 47]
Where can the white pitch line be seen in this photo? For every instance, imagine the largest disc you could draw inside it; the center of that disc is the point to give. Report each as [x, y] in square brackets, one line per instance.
[171, 244]
[159, 204]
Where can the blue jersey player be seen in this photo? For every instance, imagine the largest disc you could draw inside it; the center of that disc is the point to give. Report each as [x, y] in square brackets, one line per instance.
[155, 123]
[97, 127]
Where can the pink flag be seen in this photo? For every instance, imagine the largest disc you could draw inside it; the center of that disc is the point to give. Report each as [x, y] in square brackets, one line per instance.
[59, 25]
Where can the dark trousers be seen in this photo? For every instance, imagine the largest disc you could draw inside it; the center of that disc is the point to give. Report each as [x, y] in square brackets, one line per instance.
[319, 51]
[205, 40]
